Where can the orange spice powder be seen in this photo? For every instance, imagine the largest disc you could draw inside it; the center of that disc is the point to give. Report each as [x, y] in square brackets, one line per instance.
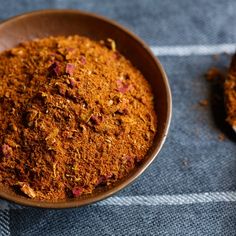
[75, 115]
[230, 94]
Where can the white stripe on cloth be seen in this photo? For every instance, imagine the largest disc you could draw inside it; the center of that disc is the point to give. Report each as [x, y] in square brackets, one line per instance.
[156, 200]
[4, 222]
[181, 199]
[194, 50]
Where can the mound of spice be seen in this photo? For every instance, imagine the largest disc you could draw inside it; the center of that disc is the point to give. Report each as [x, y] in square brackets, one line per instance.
[75, 115]
[230, 93]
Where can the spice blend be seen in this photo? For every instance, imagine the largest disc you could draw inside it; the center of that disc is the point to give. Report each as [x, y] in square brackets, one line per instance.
[75, 115]
[230, 94]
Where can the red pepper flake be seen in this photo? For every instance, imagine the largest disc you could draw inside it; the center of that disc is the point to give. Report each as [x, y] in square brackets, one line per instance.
[119, 83]
[129, 161]
[116, 55]
[53, 69]
[77, 191]
[138, 160]
[6, 150]
[109, 175]
[70, 68]
[123, 88]
[96, 120]
[70, 49]
[102, 179]
[83, 60]
[127, 158]
[53, 54]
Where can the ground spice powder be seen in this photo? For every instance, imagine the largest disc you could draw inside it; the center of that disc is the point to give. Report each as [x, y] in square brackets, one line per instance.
[230, 93]
[75, 115]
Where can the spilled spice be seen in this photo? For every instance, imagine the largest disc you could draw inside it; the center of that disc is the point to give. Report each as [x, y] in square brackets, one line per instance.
[221, 137]
[75, 115]
[204, 102]
[214, 74]
[230, 94]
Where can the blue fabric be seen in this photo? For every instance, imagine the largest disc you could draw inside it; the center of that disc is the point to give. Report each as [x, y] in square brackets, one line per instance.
[193, 159]
[162, 220]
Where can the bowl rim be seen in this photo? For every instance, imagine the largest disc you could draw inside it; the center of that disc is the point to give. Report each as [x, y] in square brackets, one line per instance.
[83, 202]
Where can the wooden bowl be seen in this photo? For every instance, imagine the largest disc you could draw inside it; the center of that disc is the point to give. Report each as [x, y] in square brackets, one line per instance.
[69, 22]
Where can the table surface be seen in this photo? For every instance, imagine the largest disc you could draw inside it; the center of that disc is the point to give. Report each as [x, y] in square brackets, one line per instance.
[190, 189]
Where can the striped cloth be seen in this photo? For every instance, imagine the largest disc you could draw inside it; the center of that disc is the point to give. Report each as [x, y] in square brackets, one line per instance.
[190, 189]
